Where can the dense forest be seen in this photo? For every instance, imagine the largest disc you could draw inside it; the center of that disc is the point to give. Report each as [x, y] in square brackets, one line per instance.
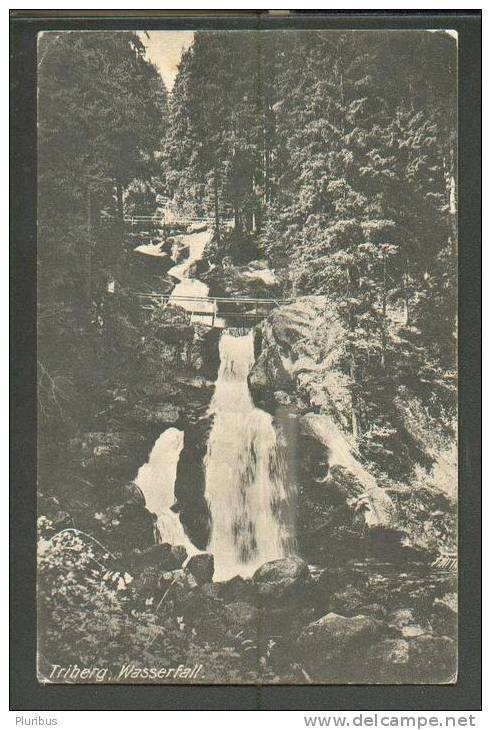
[329, 157]
[336, 152]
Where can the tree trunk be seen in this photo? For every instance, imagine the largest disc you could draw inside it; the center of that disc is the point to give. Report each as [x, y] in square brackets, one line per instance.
[267, 152]
[115, 264]
[269, 161]
[237, 221]
[255, 212]
[120, 204]
[384, 315]
[352, 281]
[265, 160]
[355, 421]
[216, 202]
[405, 285]
[89, 250]
[266, 171]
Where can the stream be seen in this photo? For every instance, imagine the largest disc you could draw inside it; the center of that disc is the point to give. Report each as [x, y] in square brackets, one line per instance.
[245, 465]
[246, 474]
[188, 286]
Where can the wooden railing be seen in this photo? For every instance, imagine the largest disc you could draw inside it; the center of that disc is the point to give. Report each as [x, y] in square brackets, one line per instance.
[244, 308]
[135, 219]
[161, 220]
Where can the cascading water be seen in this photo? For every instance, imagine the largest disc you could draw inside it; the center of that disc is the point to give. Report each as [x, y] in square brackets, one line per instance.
[156, 479]
[246, 477]
[190, 293]
[247, 486]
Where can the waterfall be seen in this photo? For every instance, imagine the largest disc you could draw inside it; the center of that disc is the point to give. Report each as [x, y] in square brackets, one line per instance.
[246, 477]
[188, 286]
[156, 479]
[247, 486]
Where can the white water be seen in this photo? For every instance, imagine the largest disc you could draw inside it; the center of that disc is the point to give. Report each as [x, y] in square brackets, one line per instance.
[246, 475]
[246, 481]
[156, 479]
[197, 244]
[152, 249]
[187, 286]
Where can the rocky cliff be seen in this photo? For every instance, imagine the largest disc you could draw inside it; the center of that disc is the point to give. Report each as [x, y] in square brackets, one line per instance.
[346, 503]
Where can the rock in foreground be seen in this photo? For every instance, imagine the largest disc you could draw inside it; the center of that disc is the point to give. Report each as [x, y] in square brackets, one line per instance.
[330, 647]
[201, 567]
[336, 633]
[282, 578]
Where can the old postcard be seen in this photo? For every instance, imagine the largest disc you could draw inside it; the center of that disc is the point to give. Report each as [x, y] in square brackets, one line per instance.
[247, 337]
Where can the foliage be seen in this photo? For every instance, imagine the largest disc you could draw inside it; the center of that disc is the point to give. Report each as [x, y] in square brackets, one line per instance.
[88, 620]
[101, 118]
[337, 150]
[335, 155]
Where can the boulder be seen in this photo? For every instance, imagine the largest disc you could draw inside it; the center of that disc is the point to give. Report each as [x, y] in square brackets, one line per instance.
[281, 579]
[127, 494]
[237, 589]
[176, 584]
[290, 324]
[334, 633]
[389, 652]
[411, 631]
[252, 280]
[124, 527]
[287, 621]
[421, 591]
[333, 648]
[384, 542]
[147, 582]
[157, 390]
[281, 398]
[289, 348]
[190, 484]
[268, 375]
[259, 269]
[201, 567]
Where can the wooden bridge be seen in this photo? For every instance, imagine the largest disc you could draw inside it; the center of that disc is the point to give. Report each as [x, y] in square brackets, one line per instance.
[215, 311]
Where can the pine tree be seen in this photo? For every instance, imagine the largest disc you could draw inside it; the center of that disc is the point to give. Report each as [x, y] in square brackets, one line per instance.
[102, 111]
[339, 149]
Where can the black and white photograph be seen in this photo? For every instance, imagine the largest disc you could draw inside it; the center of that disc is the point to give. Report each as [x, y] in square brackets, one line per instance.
[247, 335]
